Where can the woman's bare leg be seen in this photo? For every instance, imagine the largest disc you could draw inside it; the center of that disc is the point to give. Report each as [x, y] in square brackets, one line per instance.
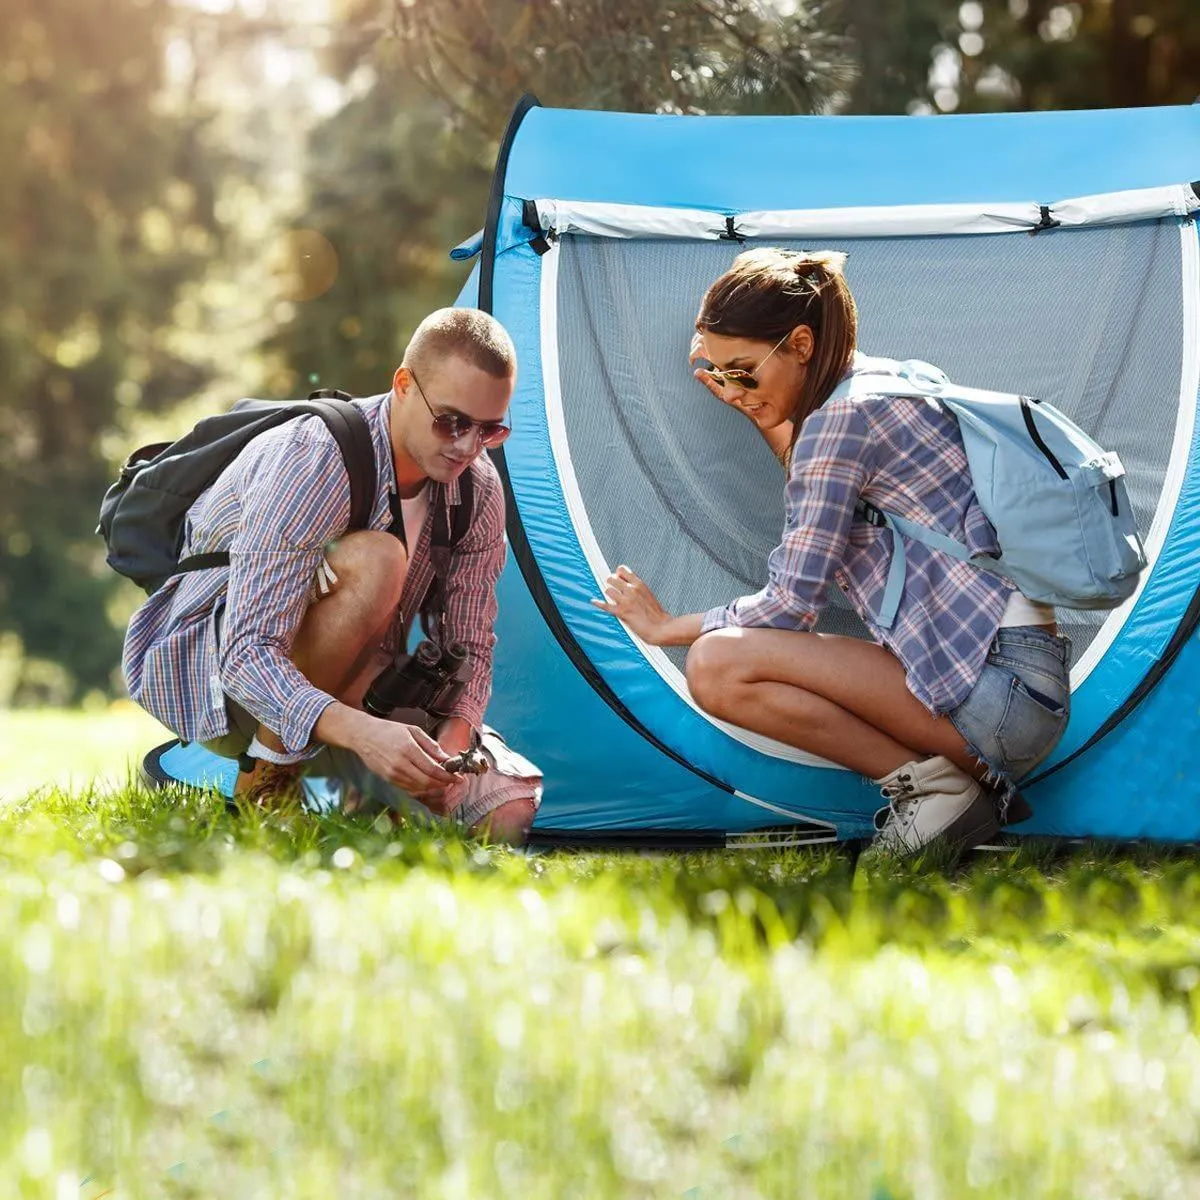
[839, 697]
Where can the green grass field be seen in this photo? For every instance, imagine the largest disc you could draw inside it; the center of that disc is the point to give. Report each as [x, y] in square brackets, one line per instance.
[199, 1005]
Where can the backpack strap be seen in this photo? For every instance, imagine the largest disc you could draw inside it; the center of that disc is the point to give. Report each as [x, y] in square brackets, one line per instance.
[353, 435]
[345, 421]
[898, 569]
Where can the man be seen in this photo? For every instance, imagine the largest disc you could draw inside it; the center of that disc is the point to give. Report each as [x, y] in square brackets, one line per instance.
[268, 659]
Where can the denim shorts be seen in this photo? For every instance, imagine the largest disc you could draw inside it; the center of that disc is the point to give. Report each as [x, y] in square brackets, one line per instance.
[1018, 710]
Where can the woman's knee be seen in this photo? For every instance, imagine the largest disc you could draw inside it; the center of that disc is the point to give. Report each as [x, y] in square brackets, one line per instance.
[713, 670]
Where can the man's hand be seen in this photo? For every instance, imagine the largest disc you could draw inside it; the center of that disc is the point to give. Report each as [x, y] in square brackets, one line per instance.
[408, 757]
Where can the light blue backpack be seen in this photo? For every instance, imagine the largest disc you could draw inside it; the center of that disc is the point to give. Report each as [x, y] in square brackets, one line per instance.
[1057, 500]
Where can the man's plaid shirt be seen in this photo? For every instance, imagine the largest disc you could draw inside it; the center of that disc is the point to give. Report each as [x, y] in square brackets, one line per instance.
[274, 508]
[906, 456]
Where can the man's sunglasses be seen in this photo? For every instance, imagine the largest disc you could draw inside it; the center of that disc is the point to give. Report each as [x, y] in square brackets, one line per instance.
[746, 380]
[452, 426]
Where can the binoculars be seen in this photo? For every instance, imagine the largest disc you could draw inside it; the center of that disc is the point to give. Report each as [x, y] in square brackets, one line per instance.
[429, 681]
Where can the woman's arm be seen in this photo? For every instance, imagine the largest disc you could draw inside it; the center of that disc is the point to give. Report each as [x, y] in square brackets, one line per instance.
[631, 601]
[834, 458]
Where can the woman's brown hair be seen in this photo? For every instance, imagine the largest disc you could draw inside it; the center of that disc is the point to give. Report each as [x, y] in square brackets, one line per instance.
[769, 292]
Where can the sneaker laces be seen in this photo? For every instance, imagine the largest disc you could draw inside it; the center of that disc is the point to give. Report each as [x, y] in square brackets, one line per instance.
[900, 808]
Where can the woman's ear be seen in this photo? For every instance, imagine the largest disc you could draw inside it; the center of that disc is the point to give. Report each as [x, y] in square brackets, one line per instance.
[801, 343]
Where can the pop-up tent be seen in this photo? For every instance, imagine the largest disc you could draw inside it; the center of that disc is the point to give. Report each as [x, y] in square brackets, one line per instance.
[1052, 254]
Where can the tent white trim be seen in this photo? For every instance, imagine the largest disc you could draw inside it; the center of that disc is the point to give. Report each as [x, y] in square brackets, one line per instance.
[909, 220]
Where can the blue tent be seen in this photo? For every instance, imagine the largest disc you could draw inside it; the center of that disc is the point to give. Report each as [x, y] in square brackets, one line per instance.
[1047, 253]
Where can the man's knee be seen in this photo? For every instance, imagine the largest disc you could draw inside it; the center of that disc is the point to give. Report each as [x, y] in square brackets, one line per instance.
[509, 823]
[369, 561]
[712, 669]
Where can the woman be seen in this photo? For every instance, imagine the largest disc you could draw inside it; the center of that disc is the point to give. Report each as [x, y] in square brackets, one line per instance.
[968, 689]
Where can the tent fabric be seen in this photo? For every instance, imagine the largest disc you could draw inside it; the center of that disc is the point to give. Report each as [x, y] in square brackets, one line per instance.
[603, 230]
[621, 457]
[912, 220]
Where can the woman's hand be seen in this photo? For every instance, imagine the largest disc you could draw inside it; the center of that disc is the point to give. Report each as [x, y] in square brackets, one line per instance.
[696, 354]
[631, 601]
[779, 438]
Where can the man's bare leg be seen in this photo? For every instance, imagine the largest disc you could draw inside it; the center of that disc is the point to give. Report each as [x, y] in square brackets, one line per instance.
[509, 823]
[340, 633]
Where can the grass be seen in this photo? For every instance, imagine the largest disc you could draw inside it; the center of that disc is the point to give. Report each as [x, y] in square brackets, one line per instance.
[200, 1005]
[72, 749]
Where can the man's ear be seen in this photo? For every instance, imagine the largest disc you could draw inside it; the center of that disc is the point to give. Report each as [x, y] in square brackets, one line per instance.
[801, 343]
[400, 380]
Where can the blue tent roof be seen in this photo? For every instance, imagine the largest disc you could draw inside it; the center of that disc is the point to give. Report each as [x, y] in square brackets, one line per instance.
[743, 163]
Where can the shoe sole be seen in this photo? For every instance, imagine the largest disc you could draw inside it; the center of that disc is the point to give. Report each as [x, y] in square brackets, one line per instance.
[975, 824]
[969, 828]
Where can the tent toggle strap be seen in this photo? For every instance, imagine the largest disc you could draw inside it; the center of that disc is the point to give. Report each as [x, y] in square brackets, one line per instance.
[1047, 221]
[731, 234]
[540, 242]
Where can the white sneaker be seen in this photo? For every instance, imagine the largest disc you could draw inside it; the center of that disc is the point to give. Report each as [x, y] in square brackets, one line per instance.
[932, 799]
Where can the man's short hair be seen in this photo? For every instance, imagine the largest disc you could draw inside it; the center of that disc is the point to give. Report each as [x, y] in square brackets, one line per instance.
[469, 334]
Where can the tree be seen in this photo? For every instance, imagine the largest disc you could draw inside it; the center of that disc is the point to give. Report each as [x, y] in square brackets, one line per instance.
[993, 55]
[392, 186]
[105, 211]
[640, 55]
[401, 173]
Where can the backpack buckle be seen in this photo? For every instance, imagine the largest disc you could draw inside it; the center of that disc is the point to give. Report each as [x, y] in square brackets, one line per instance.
[869, 513]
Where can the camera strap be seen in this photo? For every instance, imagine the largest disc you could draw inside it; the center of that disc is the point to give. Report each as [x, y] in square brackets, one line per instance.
[450, 525]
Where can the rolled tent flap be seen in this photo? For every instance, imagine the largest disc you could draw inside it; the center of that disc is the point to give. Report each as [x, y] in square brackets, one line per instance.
[910, 220]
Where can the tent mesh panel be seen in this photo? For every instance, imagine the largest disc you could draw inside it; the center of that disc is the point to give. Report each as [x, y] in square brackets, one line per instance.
[684, 490]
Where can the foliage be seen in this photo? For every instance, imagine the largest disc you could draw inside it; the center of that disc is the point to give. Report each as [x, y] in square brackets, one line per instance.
[648, 56]
[1094, 54]
[392, 185]
[1000, 55]
[106, 211]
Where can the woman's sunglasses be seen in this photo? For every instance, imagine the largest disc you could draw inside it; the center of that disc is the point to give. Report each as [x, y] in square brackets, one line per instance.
[452, 426]
[746, 380]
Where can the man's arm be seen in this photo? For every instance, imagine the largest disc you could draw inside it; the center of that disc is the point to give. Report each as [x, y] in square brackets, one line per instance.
[295, 498]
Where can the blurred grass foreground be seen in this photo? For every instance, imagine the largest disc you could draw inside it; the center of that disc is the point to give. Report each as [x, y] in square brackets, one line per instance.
[194, 1004]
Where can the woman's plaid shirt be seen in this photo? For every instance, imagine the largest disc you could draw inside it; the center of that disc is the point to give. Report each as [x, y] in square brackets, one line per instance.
[906, 456]
[274, 508]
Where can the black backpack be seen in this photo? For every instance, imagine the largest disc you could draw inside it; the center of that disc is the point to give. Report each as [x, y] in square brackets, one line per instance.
[142, 513]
